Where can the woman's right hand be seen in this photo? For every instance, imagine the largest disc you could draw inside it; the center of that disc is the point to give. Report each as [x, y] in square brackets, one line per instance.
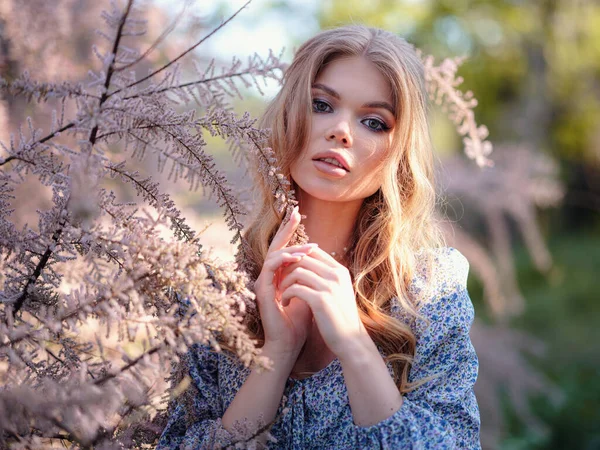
[286, 328]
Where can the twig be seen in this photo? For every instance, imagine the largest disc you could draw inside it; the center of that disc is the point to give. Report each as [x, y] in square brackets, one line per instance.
[228, 204]
[110, 376]
[51, 353]
[177, 223]
[111, 66]
[92, 139]
[41, 141]
[173, 61]
[38, 269]
[155, 44]
[190, 83]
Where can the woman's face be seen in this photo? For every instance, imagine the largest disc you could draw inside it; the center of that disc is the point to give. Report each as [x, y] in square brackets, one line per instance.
[351, 126]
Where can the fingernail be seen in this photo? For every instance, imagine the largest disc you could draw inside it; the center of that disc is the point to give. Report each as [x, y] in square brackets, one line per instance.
[301, 255]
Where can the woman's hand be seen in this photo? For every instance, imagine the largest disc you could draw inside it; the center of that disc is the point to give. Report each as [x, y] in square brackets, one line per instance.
[325, 285]
[286, 327]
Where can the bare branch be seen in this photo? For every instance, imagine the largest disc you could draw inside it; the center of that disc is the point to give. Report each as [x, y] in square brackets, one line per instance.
[193, 47]
[38, 269]
[156, 43]
[111, 67]
[129, 365]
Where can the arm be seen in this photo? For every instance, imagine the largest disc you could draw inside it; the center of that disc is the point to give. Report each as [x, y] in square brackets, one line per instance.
[443, 412]
[372, 392]
[200, 423]
[259, 397]
[194, 421]
[285, 329]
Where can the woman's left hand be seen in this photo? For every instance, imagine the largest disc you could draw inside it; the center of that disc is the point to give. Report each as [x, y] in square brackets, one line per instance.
[325, 285]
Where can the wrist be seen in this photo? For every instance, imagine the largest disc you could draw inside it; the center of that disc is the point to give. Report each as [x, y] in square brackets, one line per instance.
[283, 359]
[359, 352]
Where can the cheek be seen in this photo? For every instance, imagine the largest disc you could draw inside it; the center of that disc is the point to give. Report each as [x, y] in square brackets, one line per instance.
[376, 150]
[315, 133]
[375, 164]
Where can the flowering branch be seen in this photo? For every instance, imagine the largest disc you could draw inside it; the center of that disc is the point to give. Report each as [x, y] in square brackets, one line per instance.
[442, 85]
[29, 147]
[177, 58]
[95, 264]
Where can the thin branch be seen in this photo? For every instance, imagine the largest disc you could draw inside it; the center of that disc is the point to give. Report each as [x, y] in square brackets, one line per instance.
[127, 130]
[41, 90]
[155, 44]
[92, 139]
[62, 426]
[193, 47]
[280, 185]
[126, 367]
[70, 314]
[176, 221]
[190, 83]
[41, 141]
[51, 353]
[222, 193]
[111, 66]
[38, 269]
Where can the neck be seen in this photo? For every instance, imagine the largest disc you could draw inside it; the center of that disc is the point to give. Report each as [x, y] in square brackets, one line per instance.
[329, 224]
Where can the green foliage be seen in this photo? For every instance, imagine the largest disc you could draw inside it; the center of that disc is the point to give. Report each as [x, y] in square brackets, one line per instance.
[563, 310]
[530, 64]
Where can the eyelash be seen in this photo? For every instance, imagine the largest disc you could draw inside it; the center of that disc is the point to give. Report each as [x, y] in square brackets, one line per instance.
[381, 123]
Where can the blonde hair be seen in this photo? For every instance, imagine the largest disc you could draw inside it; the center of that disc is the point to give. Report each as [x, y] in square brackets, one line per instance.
[397, 221]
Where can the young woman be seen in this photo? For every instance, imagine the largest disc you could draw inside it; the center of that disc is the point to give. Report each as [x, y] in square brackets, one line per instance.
[367, 324]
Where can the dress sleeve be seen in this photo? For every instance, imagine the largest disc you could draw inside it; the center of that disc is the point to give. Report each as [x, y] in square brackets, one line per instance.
[441, 413]
[195, 420]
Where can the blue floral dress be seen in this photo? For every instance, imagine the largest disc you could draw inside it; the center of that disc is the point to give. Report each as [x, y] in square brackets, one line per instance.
[440, 414]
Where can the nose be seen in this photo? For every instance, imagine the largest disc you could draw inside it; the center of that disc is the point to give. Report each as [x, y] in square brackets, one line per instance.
[340, 132]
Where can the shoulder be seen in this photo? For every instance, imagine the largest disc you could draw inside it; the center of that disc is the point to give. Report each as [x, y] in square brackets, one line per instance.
[445, 312]
[438, 289]
[438, 273]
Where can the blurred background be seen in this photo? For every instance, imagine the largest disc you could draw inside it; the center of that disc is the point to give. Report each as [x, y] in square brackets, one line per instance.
[530, 226]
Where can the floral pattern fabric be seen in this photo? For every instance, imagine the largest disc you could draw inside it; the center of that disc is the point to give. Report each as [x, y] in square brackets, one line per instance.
[440, 414]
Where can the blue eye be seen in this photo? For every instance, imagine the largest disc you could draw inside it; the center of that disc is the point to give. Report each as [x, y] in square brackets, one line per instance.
[375, 124]
[319, 106]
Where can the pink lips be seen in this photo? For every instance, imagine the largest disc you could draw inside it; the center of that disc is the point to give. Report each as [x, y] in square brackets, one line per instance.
[329, 169]
[337, 156]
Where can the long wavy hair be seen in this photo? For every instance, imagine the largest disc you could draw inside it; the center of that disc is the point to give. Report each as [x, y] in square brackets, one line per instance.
[395, 223]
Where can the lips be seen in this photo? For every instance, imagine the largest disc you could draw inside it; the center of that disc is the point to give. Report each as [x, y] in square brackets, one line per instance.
[336, 157]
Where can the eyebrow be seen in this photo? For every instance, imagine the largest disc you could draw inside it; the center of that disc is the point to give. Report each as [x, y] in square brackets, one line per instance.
[334, 94]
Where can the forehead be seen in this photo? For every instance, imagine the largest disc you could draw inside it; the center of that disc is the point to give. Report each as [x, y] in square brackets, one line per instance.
[357, 78]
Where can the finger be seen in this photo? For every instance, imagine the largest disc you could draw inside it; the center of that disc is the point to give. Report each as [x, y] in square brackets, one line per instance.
[272, 264]
[305, 248]
[315, 265]
[323, 273]
[321, 255]
[304, 293]
[305, 277]
[286, 255]
[285, 232]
